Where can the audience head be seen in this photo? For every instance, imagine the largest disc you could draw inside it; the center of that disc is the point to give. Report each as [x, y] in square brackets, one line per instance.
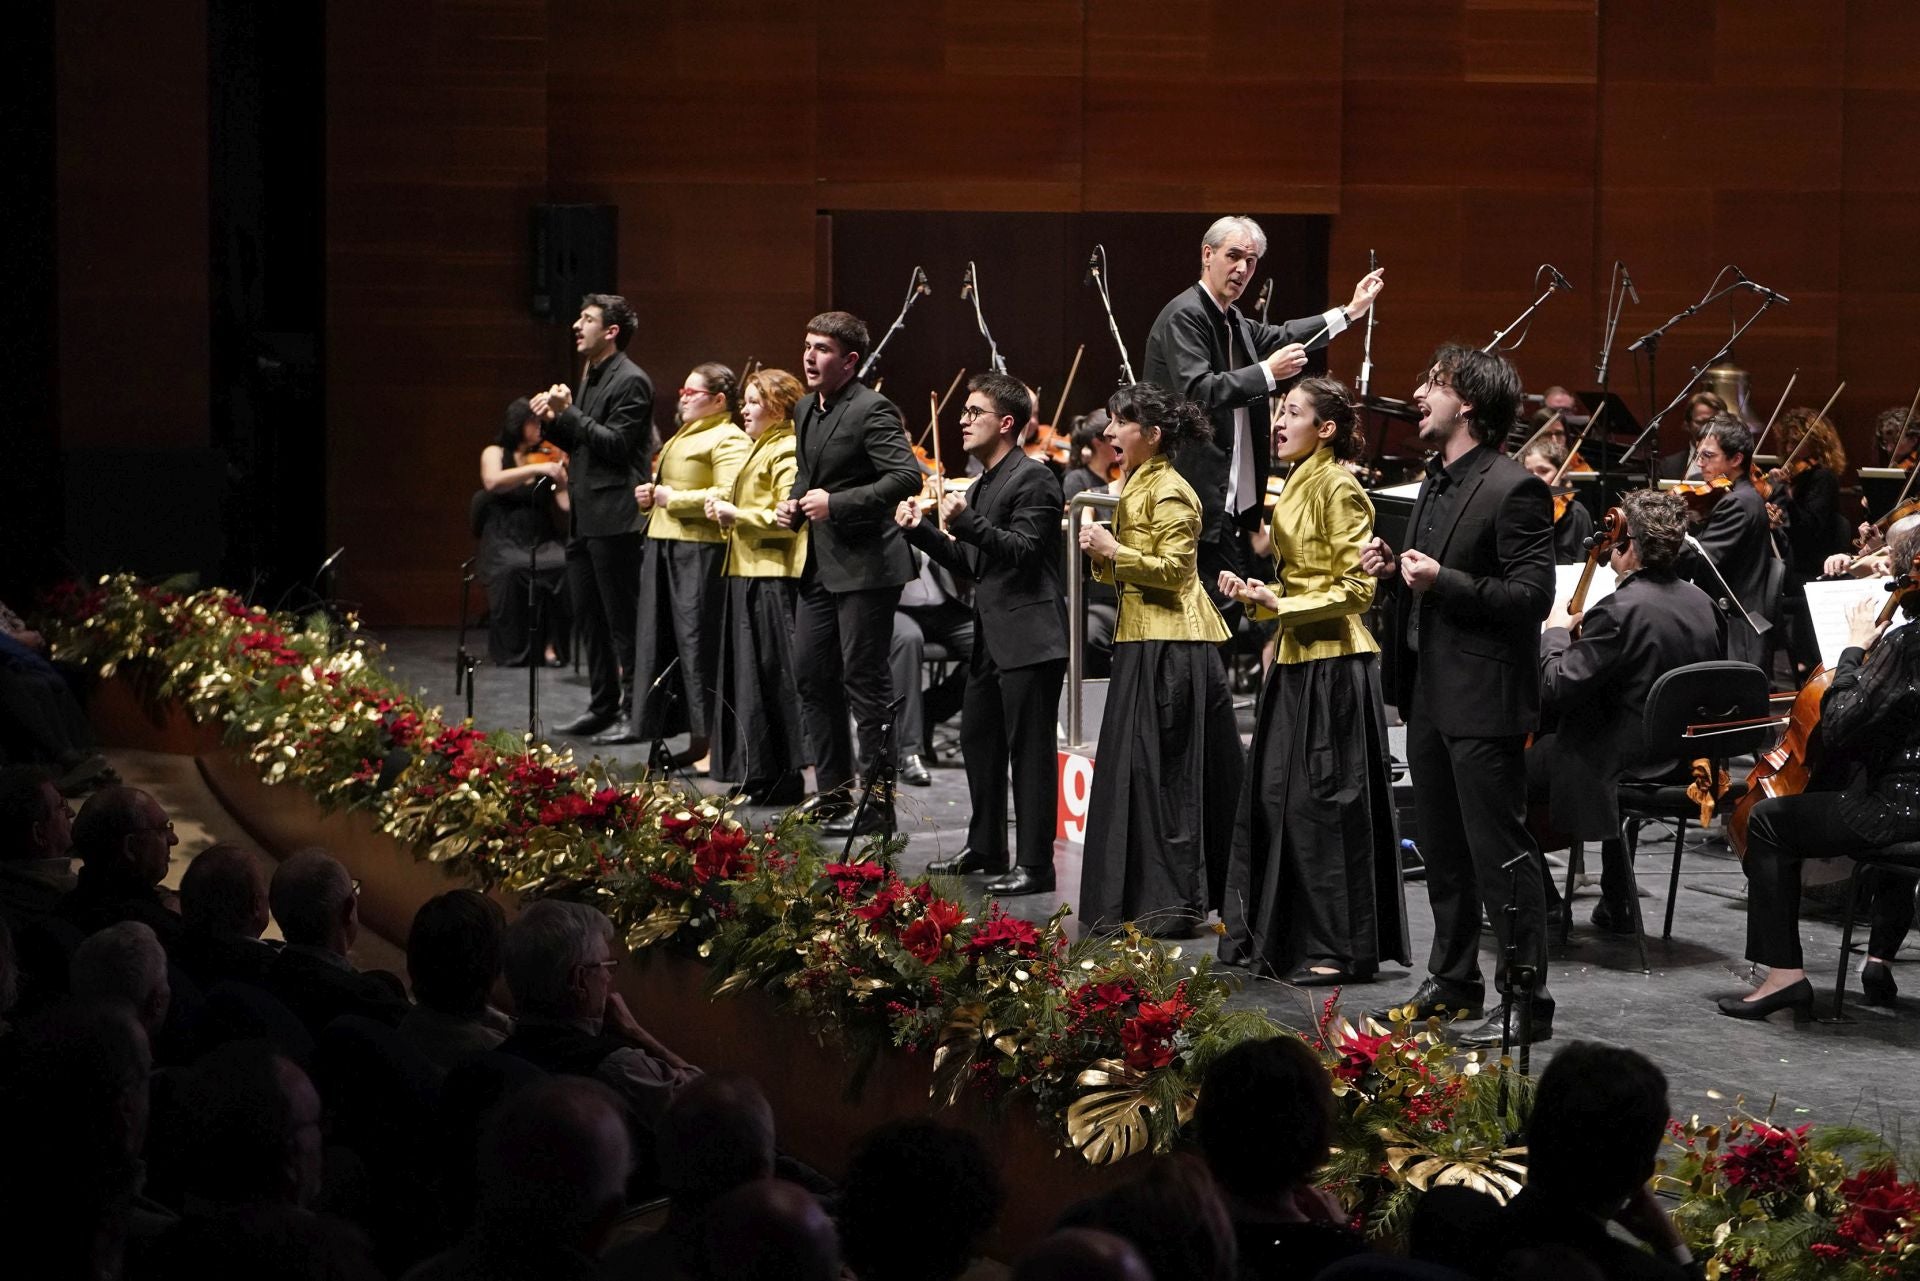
[1598, 1115]
[1657, 523]
[897, 1171]
[1145, 420]
[553, 1164]
[35, 820]
[1725, 447]
[79, 1098]
[717, 1135]
[1265, 1118]
[249, 1120]
[316, 902]
[453, 951]
[771, 1230]
[1173, 1215]
[1082, 1254]
[224, 892]
[124, 963]
[122, 832]
[559, 961]
[1465, 385]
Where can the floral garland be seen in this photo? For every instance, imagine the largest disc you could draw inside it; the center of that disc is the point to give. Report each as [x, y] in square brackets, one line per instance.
[1108, 1039]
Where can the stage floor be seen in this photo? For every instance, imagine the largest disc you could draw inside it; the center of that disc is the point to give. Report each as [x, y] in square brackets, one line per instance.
[1846, 1072]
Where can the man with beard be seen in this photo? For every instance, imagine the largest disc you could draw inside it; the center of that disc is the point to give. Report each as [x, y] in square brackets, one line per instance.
[1468, 596]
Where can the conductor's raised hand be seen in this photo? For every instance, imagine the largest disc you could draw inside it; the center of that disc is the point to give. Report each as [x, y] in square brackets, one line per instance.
[1365, 292]
[1377, 558]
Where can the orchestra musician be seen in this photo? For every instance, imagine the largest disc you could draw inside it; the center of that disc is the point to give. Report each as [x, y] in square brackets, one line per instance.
[757, 738]
[1597, 669]
[1313, 885]
[1736, 537]
[1469, 594]
[1572, 522]
[1169, 760]
[1870, 732]
[1804, 507]
[1003, 533]
[1898, 438]
[1203, 348]
[1681, 465]
[518, 540]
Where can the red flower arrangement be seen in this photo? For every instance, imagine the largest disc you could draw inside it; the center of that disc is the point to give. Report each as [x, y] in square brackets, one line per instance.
[1007, 932]
[1149, 1035]
[1768, 1164]
[926, 938]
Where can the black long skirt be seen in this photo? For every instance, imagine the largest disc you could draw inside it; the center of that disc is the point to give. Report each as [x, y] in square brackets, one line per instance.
[1315, 872]
[1165, 777]
[756, 715]
[680, 596]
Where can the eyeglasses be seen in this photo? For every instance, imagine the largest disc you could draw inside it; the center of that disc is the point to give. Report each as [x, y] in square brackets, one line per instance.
[972, 412]
[697, 391]
[356, 887]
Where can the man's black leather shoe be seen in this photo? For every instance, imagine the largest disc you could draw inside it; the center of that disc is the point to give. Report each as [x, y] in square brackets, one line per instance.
[1610, 919]
[828, 806]
[1437, 997]
[967, 862]
[1487, 1035]
[1021, 880]
[582, 726]
[788, 789]
[618, 736]
[914, 770]
[874, 820]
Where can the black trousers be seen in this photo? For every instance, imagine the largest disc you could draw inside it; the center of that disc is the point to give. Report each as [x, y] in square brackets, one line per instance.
[1786, 829]
[1008, 717]
[949, 625]
[603, 577]
[1470, 803]
[840, 642]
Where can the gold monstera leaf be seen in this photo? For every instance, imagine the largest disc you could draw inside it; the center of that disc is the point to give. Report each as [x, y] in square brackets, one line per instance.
[956, 1050]
[1116, 1119]
[1494, 1171]
[657, 926]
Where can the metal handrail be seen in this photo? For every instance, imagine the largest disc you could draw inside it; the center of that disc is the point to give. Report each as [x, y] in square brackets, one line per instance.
[1076, 610]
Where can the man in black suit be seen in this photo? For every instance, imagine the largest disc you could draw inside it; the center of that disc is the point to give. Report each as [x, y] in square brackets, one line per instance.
[317, 904]
[1203, 347]
[1469, 594]
[607, 436]
[853, 468]
[1003, 532]
[1594, 688]
[124, 841]
[1736, 540]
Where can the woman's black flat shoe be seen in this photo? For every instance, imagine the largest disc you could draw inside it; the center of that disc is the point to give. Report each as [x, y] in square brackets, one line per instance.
[1797, 997]
[1876, 980]
[1307, 976]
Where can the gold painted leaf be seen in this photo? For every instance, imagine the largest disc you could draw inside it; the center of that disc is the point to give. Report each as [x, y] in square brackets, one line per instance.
[1110, 1125]
[660, 924]
[955, 1052]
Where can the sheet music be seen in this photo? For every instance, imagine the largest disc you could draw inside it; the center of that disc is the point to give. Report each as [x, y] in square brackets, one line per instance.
[1828, 603]
[1567, 577]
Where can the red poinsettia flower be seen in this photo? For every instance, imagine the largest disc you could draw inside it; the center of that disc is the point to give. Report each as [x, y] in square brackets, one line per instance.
[1148, 1036]
[1009, 932]
[1357, 1052]
[877, 909]
[1876, 1202]
[927, 937]
[1769, 1163]
[722, 856]
[850, 878]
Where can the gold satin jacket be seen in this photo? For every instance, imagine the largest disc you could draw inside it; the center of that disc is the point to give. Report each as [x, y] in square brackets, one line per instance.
[1158, 526]
[700, 461]
[1321, 522]
[757, 547]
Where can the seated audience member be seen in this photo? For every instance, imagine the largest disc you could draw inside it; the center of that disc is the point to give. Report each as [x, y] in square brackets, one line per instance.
[1174, 1216]
[552, 1174]
[125, 842]
[317, 905]
[1265, 1119]
[40, 719]
[223, 900]
[453, 960]
[717, 1135]
[1598, 1117]
[1082, 1254]
[245, 1123]
[36, 842]
[559, 964]
[74, 1113]
[124, 963]
[897, 1171]
[772, 1230]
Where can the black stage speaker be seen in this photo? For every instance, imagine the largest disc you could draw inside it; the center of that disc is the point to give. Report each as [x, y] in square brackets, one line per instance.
[575, 251]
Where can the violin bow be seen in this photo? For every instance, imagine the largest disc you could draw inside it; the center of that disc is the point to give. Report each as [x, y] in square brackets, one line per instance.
[1775, 417]
[1072, 369]
[1545, 427]
[938, 479]
[1807, 435]
[1573, 450]
[1907, 489]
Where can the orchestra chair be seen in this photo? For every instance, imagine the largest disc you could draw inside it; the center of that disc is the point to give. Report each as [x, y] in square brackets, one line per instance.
[1901, 857]
[1717, 710]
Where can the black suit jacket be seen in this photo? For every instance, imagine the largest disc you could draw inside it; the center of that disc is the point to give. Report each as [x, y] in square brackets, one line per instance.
[319, 991]
[1597, 688]
[856, 449]
[607, 432]
[1187, 352]
[1480, 621]
[1739, 538]
[1009, 542]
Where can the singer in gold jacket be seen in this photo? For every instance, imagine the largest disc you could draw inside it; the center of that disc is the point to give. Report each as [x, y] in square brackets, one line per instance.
[1167, 769]
[757, 740]
[680, 584]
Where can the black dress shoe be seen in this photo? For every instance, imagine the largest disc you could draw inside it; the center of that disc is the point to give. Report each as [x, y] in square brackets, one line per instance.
[788, 789]
[1437, 997]
[874, 820]
[1487, 1035]
[1610, 918]
[582, 726]
[1307, 976]
[1797, 997]
[913, 770]
[1876, 980]
[1021, 880]
[828, 806]
[966, 863]
[619, 736]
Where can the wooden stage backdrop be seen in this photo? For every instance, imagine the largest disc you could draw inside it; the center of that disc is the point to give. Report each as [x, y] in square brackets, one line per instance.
[1466, 141]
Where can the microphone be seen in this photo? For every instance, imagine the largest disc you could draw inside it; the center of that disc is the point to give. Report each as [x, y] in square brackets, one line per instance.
[920, 285]
[1626, 279]
[329, 563]
[966, 284]
[1559, 281]
[1093, 268]
[1265, 296]
[1773, 295]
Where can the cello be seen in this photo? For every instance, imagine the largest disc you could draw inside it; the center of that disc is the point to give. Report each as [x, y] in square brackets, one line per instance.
[1792, 766]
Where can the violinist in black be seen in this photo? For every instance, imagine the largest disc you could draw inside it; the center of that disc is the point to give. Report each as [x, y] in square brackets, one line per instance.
[1870, 732]
[1572, 522]
[1736, 539]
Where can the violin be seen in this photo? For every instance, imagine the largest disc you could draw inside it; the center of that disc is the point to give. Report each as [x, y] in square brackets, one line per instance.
[1700, 496]
[542, 451]
[1562, 499]
[1791, 767]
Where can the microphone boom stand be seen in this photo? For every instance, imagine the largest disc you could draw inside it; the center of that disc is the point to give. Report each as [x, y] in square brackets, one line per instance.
[917, 288]
[1113, 327]
[1652, 429]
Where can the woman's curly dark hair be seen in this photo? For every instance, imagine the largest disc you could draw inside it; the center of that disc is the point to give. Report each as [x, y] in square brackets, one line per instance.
[1179, 420]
